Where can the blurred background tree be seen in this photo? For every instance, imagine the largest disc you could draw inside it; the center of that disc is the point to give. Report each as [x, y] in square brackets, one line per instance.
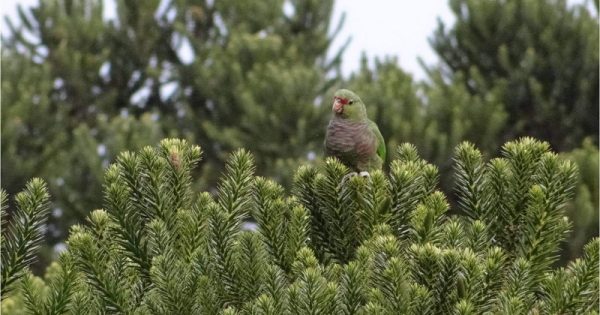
[79, 88]
[222, 74]
[583, 210]
[542, 55]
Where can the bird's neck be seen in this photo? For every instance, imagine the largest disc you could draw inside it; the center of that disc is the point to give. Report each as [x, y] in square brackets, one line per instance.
[342, 118]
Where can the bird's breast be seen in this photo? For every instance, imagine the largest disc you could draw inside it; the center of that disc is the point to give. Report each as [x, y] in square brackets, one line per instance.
[349, 137]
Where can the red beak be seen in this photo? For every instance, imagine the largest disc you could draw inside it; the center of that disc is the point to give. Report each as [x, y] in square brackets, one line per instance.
[338, 106]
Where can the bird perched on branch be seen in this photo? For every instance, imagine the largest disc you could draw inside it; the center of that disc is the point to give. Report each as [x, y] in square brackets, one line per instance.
[352, 137]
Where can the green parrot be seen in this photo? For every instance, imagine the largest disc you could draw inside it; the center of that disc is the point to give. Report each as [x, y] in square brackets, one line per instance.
[352, 137]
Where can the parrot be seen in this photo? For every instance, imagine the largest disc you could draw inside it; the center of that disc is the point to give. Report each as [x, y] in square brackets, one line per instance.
[352, 137]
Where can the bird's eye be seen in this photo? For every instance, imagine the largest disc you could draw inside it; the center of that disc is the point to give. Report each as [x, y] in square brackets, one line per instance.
[351, 102]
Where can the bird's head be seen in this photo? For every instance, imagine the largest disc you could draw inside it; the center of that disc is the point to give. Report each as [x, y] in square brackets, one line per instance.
[347, 105]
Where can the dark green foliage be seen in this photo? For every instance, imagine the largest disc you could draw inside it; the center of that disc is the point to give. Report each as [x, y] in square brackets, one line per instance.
[282, 223]
[22, 235]
[380, 245]
[411, 180]
[583, 210]
[508, 68]
[520, 196]
[61, 288]
[540, 58]
[41, 138]
[575, 286]
[79, 88]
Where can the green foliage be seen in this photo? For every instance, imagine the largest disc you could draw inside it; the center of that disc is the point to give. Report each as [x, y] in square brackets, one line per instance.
[79, 88]
[55, 296]
[71, 157]
[222, 74]
[457, 115]
[508, 69]
[386, 244]
[583, 210]
[575, 286]
[521, 197]
[539, 57]
[22, 237]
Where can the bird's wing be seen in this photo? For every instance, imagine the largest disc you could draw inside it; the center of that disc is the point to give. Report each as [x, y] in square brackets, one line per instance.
[381, 151]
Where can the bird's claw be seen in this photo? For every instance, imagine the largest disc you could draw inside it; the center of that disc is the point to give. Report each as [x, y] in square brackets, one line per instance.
[364, 174]
[348, 176]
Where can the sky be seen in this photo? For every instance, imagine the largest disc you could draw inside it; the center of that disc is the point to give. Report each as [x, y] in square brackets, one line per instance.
[390, 28]
[378, 28]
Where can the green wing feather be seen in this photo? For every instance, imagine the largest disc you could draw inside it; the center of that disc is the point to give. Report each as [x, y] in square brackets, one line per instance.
[380, 142]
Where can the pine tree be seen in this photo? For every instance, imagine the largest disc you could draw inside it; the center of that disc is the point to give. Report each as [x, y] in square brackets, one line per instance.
[381, 245]
[222, 74]
[38, 139]
[542, 57]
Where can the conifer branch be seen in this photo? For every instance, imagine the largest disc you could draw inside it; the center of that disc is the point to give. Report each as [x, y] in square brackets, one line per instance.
[469, 173]
[23, 235]
[383, 245]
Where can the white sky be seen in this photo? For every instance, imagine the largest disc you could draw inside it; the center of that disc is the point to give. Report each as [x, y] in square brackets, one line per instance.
[379, 28]
[390, 28]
